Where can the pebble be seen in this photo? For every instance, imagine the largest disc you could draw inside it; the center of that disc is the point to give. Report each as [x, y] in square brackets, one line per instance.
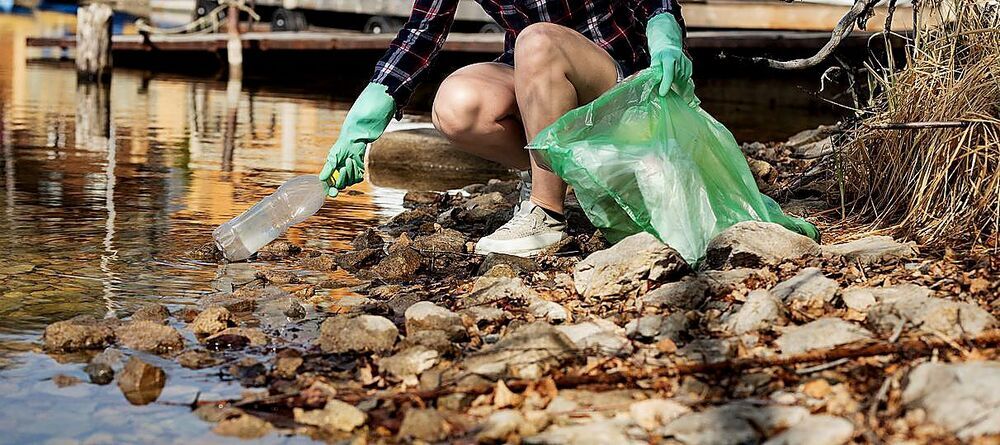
[808, 292]
[141, 382]
[688, 293]
[436, 340]
[820, 334]
[654, 328]
[600, 337]
[425, 424]
[254, 336]
[516, 264]
[599, 432]
[399, 266]
[244, 426]
[756, 244]
[335, 416]
[627, 267]
[364, 333]
[78, 334]
[503, 426]
[212, 320]
[198, 359]
[733, 423]
[150, 336]
[152, 312]
[409, 362]
[862, 298]
[816, 430]
[99, 373]
[427, 316]
[441, 241]
[761, 310]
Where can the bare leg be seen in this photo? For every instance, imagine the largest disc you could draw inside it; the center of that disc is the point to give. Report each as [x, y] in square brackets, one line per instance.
[557, 70]
[476, 110]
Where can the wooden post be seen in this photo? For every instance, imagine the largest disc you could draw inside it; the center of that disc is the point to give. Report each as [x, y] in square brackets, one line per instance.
[93, 43]
[234, 46]
[93, 116]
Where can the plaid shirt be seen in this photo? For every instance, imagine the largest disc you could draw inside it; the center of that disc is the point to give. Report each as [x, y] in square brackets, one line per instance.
[618, 26]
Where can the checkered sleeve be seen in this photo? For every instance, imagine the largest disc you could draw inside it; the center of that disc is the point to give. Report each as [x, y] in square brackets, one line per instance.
[414, 48]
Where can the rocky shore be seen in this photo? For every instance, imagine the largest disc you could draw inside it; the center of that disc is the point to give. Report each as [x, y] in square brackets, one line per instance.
[772, 339]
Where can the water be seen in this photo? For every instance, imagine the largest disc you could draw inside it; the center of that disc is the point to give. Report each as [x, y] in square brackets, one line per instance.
[293, 202]
[103, 194]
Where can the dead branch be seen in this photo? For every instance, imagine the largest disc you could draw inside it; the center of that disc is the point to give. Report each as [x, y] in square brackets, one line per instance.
[919, 125]
[844, 28]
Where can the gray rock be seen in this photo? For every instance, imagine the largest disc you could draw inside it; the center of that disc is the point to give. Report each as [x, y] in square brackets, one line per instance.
[755, 244]
[762, 309]
[500, 426]
[436, 340]
[688, 293]
[964, 398]
[600, 336]
[78, 334]
[427, 316]
[400, 265]
[152, 312]
[652, 328]
[548, 310]
[335, 416]
[150, 336]
[872, 250]
[862, 298]
[708, 350]
[141, 382]
[427, 424]
[485, 208]
[212, 320]
[365, 333]
[734, 423]
[820, 334]
[811, 135]
[816, 430]
[244, 427]
[198, 359]
[654, 413]
[487, 291]
[931, 315]
[483, 316]
[254, 336]
[809, 291]
[99, 373]
[599, 432]
[626, 267]
[518, 264]
[814, 150]
[409, 362]
[525, 353]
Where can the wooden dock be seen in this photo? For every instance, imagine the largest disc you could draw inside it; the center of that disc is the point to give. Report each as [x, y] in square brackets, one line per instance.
[457, 42]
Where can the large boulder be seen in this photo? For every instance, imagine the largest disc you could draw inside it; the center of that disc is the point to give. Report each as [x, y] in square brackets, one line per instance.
[756, 244]
[964, 398]
[622, 270]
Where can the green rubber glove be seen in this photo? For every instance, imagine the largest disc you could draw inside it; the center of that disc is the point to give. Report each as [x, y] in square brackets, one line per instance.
[365, 123]
[666, 52]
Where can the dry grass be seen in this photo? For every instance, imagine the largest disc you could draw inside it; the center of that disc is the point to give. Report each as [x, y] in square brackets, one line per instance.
[939, 186]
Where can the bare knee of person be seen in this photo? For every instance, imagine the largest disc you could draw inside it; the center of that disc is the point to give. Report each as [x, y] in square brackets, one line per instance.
[457, 108]
[539, 48]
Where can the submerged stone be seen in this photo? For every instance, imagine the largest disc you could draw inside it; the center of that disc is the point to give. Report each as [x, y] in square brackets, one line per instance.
[212, 320]
[150, 336]
[141, 382]
[152, 312]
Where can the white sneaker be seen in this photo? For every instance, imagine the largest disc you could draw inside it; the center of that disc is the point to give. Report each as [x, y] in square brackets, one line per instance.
[529, 232]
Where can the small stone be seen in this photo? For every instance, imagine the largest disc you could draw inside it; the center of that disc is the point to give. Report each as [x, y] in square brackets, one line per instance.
[820, 334]
[816, 430]
[427, 316]
[812, 135]
[733, 423]
[599, 336]
[808, 292]
[365, 333]
[335, 416]
[287, 367]
[708, 350]
[486, 208]
[863, 298]
[816, 389]
[63, 380]
[483, 316]
[254, 336]
[369, 239]
[321, 262]
[442, 241]
[503, 425]
[599, 432]
[415, 198]
[873, 250]
[930, 315]
[278, 250]
[237, 304]
[527, 352]
[226, 342]
[212, 320]
[501, 271]
[358, 259]
[964, 398]
[294, 310]
[426, 424]
[99, 373]
[627, 267]
[654, 413]
[150, 336]
[518, 265]
[244, 426]
[400, 265]
[152, 312]
[666, 346]
[724, 282]
[550, 311]
[653, 328]
[249, 372]
[409, 362]
[756, 244]
[761, 310]
[140, 382]
[436, 340]
[78, 334]
[198, 359]
[275, 276]
[688, 293]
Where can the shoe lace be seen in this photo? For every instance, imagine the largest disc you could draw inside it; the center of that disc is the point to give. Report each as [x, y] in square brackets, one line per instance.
[517, 220]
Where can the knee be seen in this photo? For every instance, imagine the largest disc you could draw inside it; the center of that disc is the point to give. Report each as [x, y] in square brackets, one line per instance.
[537, 47]
[457, 107]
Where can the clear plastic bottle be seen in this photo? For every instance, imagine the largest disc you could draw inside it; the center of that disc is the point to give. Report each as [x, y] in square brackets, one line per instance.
[293, 202]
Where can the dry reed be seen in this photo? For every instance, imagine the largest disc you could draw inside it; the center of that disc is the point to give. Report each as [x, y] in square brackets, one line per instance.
[924, 160]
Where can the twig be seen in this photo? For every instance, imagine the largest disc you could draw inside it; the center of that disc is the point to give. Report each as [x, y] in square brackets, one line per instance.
[844, 28]
[919, 125]
[822, 367]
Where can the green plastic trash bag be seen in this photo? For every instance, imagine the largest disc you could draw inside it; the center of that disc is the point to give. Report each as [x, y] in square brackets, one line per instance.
[641, 162]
